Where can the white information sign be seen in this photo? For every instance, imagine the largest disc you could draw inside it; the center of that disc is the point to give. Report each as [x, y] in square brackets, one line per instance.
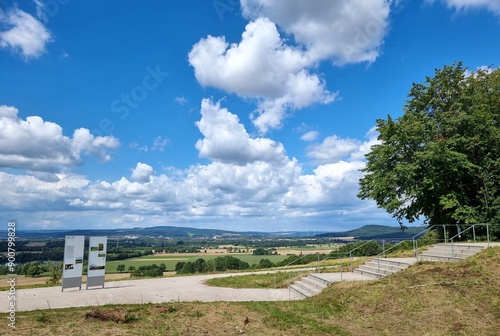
[97, 261]
[73, 261]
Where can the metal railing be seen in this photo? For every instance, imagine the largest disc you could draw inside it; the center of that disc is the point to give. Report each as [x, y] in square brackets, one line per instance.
[473, 227]
[413, 239]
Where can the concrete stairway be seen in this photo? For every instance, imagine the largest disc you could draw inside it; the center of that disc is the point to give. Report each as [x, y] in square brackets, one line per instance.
[377, 268]
[445, 252]
[309, 285]
[381, 267]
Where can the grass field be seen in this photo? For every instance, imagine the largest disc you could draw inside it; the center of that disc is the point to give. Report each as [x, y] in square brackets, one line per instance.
[267, 280]
[439, 299]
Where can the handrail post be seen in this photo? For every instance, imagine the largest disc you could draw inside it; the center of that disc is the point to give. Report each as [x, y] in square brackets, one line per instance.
[350, 260]
[452, 251]
[474, 232]
[444, 233]
[383, 246]
[341, 260]
[378, 270]
[488, 233]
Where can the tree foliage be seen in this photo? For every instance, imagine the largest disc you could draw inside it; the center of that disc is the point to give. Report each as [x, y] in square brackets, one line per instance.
[147, 271]
[441, 159]
[218, 264]
[361, 249]
[55, 269]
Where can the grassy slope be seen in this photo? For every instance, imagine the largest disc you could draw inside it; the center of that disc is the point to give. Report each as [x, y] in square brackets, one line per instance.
[460, 298]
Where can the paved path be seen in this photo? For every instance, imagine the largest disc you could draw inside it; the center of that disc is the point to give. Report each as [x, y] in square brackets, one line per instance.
[183, 289]
[174, 289]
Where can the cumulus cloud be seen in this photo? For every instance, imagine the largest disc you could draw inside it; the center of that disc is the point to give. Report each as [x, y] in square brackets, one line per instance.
[23, 34]
[279, 72]
[331, 186]
[39, 145]
[226, 140]
[345, 31]
[142, 172]
[38, 192]
[226, 192]
[334, 149]
[261, 66]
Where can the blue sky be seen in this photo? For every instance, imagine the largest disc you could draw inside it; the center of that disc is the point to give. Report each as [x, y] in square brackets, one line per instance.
[239, 115]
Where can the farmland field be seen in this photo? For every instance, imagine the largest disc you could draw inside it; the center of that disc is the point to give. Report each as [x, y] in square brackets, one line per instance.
[170, 260]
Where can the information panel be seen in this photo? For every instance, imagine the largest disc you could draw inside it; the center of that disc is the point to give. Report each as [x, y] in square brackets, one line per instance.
[73, 262]
[97, 261]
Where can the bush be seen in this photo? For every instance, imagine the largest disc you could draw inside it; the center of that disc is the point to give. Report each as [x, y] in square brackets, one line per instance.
[265, 263]
[147, 271]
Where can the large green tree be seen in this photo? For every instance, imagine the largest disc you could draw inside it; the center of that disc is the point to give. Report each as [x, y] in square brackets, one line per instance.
[440, 160]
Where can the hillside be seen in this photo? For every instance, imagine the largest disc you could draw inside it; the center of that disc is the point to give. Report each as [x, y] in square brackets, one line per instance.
[460, 298]
[377, 232]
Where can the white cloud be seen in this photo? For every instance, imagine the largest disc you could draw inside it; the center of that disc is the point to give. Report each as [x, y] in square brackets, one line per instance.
[461, 5]
[39, 145]
[237, 190]
[160, 143]
[345, 31]
[31, 193]
[261, 66]
[366, 146]
[8, 112]
[333, 186]
[41, 10]
[310, 136]
[181, 100]
[226, 139]
[25, 35]
[142, 172]
[332, 149]
[278, 71]
[483, 68]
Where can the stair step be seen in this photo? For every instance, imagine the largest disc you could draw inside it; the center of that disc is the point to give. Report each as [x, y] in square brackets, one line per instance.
[466, 246]
[430, 257]
[313, 282]
[376, 270]
[370, 273]
[319, 279]
[305, 287]
[297, 290]
[449, 254]
[385, 265]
